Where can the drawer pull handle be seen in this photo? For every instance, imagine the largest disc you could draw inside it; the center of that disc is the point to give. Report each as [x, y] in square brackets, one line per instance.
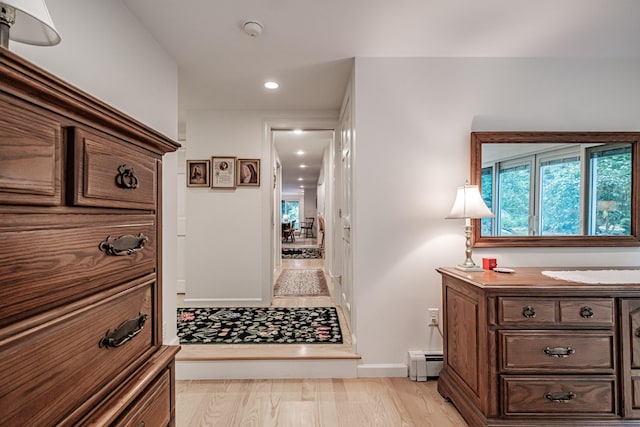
[124, 245]
[586, 312]
[124, 332]
[561, 397]
[559, 351]
[529, 312]
[141, 424]
[126, 177]
[638, 332]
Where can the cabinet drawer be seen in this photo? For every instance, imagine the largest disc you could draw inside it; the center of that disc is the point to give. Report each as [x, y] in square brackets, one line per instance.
[76, 360]
[46, 260]
[592, 312]
[586, 397]
[531, 311]
[152, 408]
[557, 351]
[30, 150]
[534, 312]
[109, 174]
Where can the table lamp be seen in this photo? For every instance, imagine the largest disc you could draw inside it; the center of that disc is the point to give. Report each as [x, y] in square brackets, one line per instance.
[26, 21]
[469, 205]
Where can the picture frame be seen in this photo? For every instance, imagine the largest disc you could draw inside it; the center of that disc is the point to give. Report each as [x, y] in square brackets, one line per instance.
[248, 172]
[223, 172]
[198, 173]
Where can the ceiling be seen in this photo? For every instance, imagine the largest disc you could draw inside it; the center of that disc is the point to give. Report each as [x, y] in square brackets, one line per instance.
[308, 46]
[301, 148]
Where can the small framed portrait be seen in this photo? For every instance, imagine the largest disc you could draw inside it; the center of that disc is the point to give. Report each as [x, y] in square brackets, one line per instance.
[197, 173]
[223, 172]
[248, 172]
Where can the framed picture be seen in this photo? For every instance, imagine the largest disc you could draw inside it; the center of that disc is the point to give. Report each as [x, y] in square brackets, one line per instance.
[197, 173]
[223, 172]
[248, 172]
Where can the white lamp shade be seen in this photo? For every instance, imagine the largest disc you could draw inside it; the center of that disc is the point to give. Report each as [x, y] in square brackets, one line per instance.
[33, 23]
[469, 204]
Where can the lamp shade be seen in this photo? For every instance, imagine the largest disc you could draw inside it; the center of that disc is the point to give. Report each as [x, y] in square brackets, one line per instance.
[33, 24]
[469, 204]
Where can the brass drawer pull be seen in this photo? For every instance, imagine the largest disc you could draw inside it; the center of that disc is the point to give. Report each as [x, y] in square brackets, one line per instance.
[124, 332]
[560, 397]
[529, 312]
[124, 245]
[586, 312]
[126, 177]
[559, 351]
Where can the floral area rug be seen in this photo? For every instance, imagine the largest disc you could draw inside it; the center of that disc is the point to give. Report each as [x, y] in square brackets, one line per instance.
[298, 282]
[301, 253]
[253, 325]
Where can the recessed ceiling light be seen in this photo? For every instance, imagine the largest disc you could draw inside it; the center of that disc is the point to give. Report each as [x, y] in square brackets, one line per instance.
[300, 179]
[299, 152]
[302, 186]
[303, 166]
[297, 131]
[271, 85]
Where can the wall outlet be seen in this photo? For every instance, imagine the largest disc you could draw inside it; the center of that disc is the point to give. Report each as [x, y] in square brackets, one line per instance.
[434, 316]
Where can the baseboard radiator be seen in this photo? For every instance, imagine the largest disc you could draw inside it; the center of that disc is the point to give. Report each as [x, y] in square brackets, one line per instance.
[424, 364]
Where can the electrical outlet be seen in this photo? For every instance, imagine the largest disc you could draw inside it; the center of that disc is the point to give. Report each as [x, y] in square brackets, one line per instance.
[434, 316]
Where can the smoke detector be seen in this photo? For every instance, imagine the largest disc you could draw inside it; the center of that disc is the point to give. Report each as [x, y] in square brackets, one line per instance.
[253, 28]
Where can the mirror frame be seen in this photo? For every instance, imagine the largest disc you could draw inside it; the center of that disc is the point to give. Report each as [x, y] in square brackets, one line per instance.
[479, 138]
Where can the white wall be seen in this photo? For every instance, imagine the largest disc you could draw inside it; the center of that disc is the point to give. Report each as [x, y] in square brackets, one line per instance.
[229, 233]
[414, 118]
[105, 52]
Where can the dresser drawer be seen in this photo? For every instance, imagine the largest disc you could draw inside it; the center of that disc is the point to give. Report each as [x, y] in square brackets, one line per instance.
[535, 312]
[152, 408]
[557, 351]
[30, 153]
[47, 260]
[109, 174]
[77, 358]
[587, 396]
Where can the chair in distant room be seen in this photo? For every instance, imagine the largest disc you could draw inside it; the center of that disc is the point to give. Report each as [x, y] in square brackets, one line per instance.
[321, 229]
[307, 226]
[288, 232]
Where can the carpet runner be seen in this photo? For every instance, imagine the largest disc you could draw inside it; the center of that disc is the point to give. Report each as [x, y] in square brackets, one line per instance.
[254, 325]
[299, 282]
[301, 253]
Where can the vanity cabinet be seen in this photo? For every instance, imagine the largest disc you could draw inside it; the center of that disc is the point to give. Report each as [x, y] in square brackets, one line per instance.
[80, 259]
[524, 349]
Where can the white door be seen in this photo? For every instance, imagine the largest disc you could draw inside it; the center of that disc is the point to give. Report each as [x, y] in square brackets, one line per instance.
[346, 152]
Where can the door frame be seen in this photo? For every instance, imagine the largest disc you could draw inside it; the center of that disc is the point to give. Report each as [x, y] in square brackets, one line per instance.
[271, 208]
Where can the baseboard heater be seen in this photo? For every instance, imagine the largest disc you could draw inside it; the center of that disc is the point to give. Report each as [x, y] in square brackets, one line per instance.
[424, 365]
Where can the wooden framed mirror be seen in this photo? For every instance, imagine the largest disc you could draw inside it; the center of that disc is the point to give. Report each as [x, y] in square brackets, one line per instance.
[557, 188]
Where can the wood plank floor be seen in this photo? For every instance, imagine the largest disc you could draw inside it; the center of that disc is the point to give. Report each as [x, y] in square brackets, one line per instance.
[358, 402]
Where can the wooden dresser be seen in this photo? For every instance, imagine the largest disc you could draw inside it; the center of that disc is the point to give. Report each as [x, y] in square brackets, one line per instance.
[80, 259]
[525, 349]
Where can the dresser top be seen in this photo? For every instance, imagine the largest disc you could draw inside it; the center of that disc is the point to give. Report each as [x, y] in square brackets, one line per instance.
[528, 278]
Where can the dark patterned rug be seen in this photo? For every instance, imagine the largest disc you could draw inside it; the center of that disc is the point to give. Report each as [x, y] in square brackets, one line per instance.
[253, 325]
[301, 253]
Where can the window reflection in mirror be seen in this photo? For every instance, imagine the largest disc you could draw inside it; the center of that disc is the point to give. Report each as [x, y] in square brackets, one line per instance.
[557, 188]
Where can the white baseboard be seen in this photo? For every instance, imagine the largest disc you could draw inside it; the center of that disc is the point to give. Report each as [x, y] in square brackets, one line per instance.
[265, 369]
[383, 370]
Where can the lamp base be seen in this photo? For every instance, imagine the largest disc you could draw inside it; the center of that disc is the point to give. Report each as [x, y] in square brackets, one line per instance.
[469, 268]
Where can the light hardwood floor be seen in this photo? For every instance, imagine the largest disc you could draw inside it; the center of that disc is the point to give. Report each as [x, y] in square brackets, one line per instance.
[359, 402]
